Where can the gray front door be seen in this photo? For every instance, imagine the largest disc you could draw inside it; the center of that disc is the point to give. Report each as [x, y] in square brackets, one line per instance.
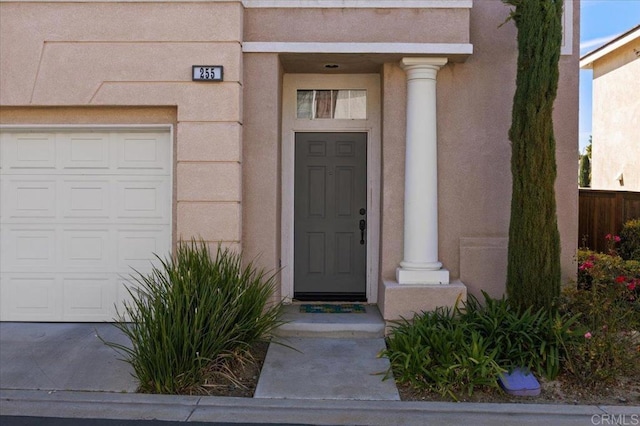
[330, 216]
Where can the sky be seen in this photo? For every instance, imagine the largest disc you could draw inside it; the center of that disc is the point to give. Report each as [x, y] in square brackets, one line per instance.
[600, 22]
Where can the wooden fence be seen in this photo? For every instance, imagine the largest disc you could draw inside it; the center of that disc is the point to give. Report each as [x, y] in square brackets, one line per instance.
[602, 213]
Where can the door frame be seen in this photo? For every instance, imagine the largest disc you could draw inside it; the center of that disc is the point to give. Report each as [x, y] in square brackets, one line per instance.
[292, 125]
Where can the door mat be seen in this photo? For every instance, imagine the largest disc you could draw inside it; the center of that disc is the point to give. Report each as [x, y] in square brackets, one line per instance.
[349, 308]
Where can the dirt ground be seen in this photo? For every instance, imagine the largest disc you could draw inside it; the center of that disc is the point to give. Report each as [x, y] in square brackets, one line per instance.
[246, 377]
[559, 391]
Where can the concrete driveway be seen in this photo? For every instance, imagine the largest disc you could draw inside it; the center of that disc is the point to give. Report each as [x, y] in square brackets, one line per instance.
[62, 356]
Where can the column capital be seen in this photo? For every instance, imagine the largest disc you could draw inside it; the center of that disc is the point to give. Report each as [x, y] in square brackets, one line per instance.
[429, 63]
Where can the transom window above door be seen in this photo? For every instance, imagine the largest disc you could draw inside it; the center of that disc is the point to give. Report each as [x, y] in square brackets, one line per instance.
[349, 104]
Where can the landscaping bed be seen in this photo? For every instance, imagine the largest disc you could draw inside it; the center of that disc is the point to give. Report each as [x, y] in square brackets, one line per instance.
[562, 390]
[198, 327]
[246, 377]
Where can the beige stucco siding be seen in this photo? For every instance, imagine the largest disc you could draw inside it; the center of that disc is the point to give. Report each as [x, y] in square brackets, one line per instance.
[87, 116]
[358, 25]
[209, 141]
[261, 172]
[616, 114]
[394, 99]
[128, 55]
[51, 44]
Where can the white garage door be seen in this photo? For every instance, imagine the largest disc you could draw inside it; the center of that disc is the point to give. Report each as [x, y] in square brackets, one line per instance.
[79, 209]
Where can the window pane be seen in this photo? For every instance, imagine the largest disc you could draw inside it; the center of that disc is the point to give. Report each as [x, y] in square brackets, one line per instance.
[323, 103]
[305, 104]
[351, 104]
[332, 104]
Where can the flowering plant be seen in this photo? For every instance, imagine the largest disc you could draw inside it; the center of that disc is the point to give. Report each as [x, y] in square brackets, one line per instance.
[603, 272]
[607, 298]
[612, 241]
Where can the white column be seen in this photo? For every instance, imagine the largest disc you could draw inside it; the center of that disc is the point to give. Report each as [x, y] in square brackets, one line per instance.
[420, 263]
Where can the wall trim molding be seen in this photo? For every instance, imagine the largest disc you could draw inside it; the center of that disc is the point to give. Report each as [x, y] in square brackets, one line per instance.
[377, 4]
[567, 29]
[395, 48]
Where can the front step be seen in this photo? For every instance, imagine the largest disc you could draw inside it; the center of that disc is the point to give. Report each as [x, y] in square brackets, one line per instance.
[366, 325]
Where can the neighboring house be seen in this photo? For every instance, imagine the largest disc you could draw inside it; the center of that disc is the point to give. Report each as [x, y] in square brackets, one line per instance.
[326, 121]
[615, 163]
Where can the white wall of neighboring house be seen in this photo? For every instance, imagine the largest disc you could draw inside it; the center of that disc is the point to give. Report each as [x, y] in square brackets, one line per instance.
[616, 113]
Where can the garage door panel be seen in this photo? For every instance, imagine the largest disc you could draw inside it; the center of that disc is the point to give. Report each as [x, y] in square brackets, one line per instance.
[84, 151]
[143, 151]
[89, 297]
[31, 297]
[135, 244]
[143, 199]
[5, 140]
[28, 249]
[86, 199]
[28, 198]
[87, 249]
[29, 151]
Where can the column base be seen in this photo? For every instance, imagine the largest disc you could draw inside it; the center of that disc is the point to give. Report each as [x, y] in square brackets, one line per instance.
[427, 277]
[403, 301]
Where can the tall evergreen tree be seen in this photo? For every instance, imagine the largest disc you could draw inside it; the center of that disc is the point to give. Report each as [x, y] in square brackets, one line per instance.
[584, 177]
[533, 272]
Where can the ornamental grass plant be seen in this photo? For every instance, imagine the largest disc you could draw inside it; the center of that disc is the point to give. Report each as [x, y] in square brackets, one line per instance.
[438, 352]
[450, 351]
[194, 317]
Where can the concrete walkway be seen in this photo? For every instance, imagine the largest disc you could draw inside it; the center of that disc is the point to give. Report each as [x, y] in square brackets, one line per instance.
[64, 370]
[322, 368]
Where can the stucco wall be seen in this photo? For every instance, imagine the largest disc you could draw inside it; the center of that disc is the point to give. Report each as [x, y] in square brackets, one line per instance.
[616, 114]
[261, 160]
[394, 104]
[140, 54]
[358, 25]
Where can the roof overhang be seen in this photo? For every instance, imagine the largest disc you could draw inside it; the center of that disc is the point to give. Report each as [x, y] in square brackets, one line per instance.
[586, 62]
[354, 57]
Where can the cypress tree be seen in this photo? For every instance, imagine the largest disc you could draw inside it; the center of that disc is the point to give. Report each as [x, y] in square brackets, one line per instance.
[584, 178]
[533, 272]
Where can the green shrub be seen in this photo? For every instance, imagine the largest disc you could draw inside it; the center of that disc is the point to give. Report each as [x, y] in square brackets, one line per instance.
[533, 340]
[451, 350]
[193, 316]
[607, 300]
[630, 240]
[438, 352]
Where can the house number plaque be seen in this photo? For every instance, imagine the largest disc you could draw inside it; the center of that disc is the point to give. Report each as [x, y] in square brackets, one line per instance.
[206, 72]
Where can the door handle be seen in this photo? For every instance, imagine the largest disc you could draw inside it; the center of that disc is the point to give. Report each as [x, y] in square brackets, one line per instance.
[363, 226]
